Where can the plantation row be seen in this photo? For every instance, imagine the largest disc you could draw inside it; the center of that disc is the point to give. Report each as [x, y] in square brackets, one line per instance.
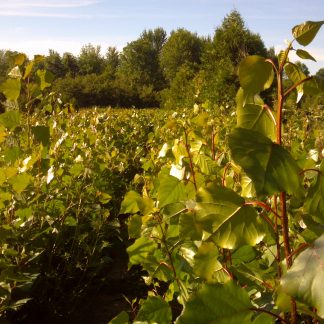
[220, 211]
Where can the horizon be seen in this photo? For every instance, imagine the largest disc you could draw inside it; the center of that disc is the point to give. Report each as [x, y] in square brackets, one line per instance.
[36, 26]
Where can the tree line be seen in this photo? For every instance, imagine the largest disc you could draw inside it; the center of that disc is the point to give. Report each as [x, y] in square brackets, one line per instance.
[155, 70]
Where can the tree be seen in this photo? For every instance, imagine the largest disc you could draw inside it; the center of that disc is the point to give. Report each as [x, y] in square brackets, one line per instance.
[139, 72]
[90, 60]
[182, 47]
[54, 63]
[231, 43]
[70, 63]
[111, 63]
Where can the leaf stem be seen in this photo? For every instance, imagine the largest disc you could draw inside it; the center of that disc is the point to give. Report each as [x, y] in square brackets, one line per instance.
[269, 313]
[190, 160]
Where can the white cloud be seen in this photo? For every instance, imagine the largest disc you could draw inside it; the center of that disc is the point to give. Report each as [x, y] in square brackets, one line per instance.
[13, 13]
[19, 4]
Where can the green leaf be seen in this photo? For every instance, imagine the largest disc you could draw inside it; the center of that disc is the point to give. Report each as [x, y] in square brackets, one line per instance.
[295, 74]
[269, 165]
[255, 74]
[11, 89]
[314, 204]
[257, 118]
[121, 318]
[19, 59]
[28, 69]
[134, 224]
[140, 250]
[205, 261]
[224, 215]
[70, 221]
[42, 134]
[305, 55]
[10, 119]
[306, 32]
[170, 190]
[189, 227]
[154, 310]
[305, 279]
[215, 303]
[45, 78]
[134, 203]
[20, 182]
[15, 73]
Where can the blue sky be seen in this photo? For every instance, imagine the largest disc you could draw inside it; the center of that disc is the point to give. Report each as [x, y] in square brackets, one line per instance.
[34, 26]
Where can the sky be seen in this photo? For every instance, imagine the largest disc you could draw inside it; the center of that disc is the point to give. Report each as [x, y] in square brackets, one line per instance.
[35, 26]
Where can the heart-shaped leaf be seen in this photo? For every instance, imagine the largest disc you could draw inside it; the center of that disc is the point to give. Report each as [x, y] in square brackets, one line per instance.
[269, 165]
[255, 74]
[215, 303]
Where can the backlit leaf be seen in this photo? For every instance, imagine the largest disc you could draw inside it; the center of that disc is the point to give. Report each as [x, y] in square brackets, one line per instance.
[255, 74]
[257, 118]
[269, 165]
[306, 32]
[305, 55]
[224, 215]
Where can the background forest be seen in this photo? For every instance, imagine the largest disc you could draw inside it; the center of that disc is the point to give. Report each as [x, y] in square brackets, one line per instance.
[156, 70]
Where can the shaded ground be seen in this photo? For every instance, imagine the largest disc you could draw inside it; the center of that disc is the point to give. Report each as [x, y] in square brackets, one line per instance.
[101, 303]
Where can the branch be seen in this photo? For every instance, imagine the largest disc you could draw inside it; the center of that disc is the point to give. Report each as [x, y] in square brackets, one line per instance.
[286, 93]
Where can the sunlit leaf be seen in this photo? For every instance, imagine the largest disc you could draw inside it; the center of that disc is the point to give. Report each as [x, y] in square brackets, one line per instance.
[314, 204]
[10, 119]
[11, 88]
[121, 318]
[305, 279]
[205, 261]
[140, 250]
[20, 182]
[154, 310]
[15, 73]
[133, 202]
[170, 190]
[215, 303]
